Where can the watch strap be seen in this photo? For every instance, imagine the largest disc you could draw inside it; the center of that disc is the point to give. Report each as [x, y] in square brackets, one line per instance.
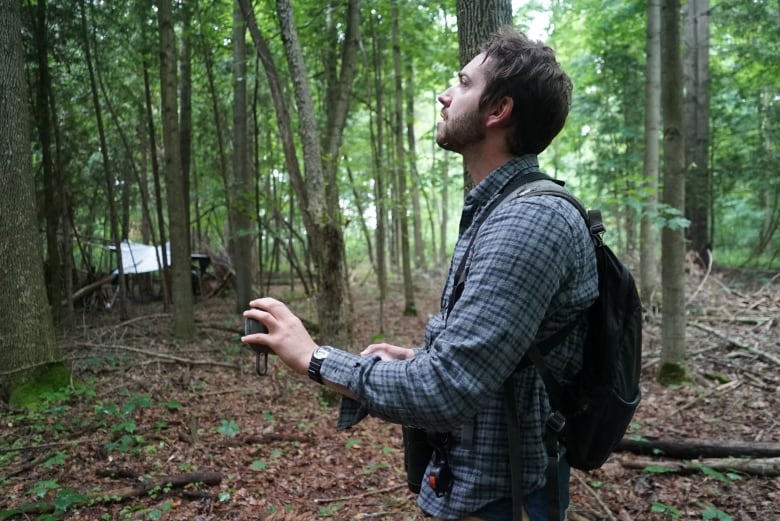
[315, 364]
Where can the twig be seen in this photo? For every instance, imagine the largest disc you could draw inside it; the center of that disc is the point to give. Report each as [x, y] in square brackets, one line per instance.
[737, 343]
[121, 494]
[703, 280]
[136, 319]
[38, 447]
[163, 356]
[587, 487]
[358, 496]
[724, 387]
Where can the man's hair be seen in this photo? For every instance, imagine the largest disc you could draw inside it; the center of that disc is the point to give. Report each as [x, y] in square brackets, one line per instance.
[526, 71]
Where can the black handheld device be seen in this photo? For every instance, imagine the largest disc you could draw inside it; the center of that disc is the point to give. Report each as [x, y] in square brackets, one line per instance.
[252, 326]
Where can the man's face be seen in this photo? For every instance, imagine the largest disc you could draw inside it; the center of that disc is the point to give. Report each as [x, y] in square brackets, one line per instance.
[462, 123]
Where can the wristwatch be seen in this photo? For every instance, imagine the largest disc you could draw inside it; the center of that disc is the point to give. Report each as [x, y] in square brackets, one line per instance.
[315, 364]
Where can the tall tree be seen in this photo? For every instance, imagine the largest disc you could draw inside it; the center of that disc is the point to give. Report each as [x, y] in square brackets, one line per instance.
[477, 20]
[181, 283]
[648, 267]
[400, 167]
[241, 192]
[29, 355]
[672, 236]
[51, 193]
[318, 193]
[108, 176]
[696, 65]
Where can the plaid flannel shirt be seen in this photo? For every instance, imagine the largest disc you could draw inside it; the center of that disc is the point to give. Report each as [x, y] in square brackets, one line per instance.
[532, 270]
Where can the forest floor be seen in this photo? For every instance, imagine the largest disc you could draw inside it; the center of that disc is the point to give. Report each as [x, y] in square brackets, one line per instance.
[159, 430]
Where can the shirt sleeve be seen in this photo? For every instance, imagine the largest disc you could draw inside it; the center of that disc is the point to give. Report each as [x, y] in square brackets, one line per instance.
[526, 251]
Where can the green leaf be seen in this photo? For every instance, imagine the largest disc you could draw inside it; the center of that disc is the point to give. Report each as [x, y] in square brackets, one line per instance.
[258, 465]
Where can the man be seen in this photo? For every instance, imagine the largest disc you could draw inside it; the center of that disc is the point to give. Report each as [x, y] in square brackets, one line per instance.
[531, 271]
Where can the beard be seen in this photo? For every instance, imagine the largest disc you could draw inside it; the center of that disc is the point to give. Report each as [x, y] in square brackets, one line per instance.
[458, 132]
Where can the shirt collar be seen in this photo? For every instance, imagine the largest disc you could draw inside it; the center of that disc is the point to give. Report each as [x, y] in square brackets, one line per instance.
[499, 178]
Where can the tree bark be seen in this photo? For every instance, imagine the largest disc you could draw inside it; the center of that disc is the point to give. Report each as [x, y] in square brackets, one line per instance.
[477, 20]
[185, 112]
[163, 262]
[768, 467]
[241, 186]
[672, 237]
[27, 330]
[116, 239]
[410, 309]
[698, 448]
[52, 186]
[696, 118]
[648, 266]
[181, 284]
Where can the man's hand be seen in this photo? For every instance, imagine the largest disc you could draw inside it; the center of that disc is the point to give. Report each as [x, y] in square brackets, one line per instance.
[286, 336]
[388, 352]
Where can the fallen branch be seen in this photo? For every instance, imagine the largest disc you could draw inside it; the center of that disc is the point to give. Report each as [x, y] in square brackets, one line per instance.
[88, 288]
[595, 495]
[162, 484]
[767, 467]
[698, 448]
[360, 496]
[163, 356]
[737, 343]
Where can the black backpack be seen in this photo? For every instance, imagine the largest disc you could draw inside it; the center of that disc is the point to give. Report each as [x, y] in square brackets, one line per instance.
[592, 411]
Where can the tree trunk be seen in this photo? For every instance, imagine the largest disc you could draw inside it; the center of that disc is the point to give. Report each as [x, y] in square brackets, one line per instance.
[410, 309]
[697, 98]
[378, 152]
[648, 267]
[185, 112]
[158, 204]
[29, 354]
[52, 186]
[411, 142]
[181, 284]
[767, 467]
[696, 448]
[107, 175]
[241, 185]
[672, 238]
[477, 20]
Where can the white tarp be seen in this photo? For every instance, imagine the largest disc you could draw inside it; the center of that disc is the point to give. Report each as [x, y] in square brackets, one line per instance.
[142, 258]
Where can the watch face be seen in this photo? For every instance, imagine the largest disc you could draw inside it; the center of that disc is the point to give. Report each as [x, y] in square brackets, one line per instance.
[322, 352]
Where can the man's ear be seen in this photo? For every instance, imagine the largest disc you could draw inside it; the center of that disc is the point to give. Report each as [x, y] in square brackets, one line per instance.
[501, 113]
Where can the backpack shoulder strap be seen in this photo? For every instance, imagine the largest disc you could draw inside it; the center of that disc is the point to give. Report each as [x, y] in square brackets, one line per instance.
[514, 186]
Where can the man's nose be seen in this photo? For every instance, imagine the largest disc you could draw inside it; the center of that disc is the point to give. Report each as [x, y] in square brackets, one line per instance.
[445, 98]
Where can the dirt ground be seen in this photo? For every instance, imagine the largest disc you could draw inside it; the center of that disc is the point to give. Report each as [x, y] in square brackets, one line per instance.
[158, 430]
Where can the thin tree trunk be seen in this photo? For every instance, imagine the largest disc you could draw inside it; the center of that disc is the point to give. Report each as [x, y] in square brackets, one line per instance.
[400, 170]
[163, 262]
[411, 142]
[241, 187]
[380, 199]
[696, 124]
[52, 186]
[672, 237]
[648, 266]
[181, 285]
[109, 179]
[185, 113]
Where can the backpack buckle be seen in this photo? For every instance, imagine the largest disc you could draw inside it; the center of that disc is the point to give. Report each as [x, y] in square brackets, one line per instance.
[556, 421]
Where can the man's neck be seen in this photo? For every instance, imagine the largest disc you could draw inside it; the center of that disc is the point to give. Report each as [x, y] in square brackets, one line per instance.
[479, 163]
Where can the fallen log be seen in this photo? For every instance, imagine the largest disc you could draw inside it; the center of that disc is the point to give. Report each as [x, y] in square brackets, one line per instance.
[697, 448]
[158, 485]
[767, 467]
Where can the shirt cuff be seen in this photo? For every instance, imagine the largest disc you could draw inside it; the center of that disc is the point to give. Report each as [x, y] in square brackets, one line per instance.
[342, 368]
